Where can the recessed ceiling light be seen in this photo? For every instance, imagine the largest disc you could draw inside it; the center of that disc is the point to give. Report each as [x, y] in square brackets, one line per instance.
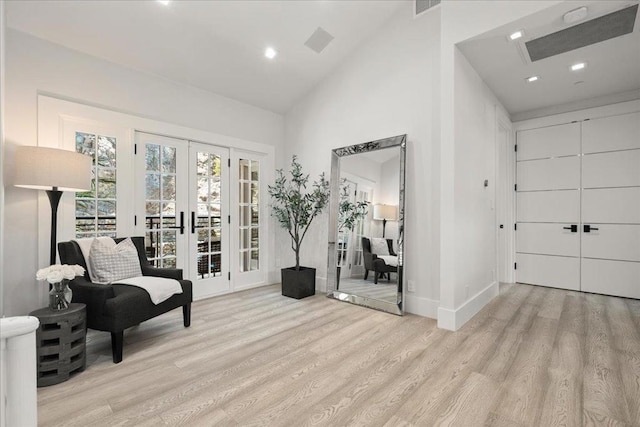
[578, 66]
[532, 79]
[270, 53]
[164, 2]
[516, 35]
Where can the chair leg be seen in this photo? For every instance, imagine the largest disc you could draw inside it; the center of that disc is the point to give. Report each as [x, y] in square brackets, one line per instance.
[375, 277]
[117, 340]
[366, 274]
[186, 315]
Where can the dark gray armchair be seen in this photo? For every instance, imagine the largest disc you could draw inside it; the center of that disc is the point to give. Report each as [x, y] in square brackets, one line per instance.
[114, 308]
[377, 265]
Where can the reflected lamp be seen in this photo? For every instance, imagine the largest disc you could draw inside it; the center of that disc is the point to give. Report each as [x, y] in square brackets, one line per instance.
[385, 213]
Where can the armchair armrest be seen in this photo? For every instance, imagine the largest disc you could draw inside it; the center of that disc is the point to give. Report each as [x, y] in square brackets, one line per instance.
[91, 294]
[169, 273]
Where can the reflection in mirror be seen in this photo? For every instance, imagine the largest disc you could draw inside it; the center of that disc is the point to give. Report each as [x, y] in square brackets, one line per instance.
[367, 224]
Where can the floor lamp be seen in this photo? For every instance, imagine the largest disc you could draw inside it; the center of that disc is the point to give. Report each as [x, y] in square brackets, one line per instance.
[54, 171]
[385, 213]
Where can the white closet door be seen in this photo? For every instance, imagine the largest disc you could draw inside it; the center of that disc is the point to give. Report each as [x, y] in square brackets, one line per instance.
[549, 174]
[548, 207]
[552, 141]
[552, 271]
[611, 206]
[612, 169]
[618, 278]
[611, 133]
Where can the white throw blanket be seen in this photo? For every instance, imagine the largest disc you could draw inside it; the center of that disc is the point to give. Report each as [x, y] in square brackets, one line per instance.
[389, 260]
[159, 288]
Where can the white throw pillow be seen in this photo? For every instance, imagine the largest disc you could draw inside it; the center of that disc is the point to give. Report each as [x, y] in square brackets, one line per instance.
[85, 247]
[379, 246]
[112, 263]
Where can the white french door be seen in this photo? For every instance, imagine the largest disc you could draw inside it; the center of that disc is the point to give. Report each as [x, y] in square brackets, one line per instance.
[162, 198]
[346, 236]
[578, 206]
[182, 200]
[364, 194]
[209, 219]
[248, 244]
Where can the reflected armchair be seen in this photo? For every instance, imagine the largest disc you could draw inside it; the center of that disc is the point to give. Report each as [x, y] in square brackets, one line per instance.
[377, 265]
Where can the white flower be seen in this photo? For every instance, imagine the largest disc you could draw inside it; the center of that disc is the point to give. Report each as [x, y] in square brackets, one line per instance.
[68, 272]
[56, 273]
[55, 276]
[42, 273]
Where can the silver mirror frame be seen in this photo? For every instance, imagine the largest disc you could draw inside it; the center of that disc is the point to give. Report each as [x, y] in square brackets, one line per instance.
[332, 291]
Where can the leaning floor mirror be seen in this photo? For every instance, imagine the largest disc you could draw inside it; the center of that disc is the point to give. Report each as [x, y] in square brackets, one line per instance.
[366, 224]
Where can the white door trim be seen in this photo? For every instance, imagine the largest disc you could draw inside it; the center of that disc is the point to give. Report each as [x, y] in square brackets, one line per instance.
[505, 198]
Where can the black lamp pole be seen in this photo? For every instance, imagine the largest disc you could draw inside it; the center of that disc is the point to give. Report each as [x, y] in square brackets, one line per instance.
[54, 200]
[384, 225]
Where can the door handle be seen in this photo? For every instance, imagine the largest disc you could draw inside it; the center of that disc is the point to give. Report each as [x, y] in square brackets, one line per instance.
[193, 223]
[588, 228]
[573, 228]
[181, 226]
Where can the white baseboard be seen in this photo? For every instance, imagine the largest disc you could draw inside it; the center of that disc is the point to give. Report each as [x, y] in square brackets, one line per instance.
[454, 319]
[251, 286]
[274, 277]
[420, 306]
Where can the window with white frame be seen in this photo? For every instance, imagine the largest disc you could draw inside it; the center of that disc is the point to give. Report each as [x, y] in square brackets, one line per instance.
[95, 210]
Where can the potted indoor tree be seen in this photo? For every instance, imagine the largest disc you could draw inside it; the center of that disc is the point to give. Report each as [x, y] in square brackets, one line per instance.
[295, 207]
[349, 213]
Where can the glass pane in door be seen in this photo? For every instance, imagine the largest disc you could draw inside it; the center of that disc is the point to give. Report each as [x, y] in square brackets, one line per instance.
[249, 211]
[160, 205]
[209, 215]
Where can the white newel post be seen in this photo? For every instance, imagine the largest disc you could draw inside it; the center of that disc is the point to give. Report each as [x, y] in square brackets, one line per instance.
[18, 379]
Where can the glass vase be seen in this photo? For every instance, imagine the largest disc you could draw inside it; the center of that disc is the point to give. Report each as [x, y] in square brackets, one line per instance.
[58, 296]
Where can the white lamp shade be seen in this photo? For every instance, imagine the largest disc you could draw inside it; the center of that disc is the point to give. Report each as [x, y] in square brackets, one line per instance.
[388, 212]
[44, 168]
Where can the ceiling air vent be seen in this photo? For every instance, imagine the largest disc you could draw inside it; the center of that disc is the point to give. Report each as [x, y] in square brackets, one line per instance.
[606, 27]
[318, 40]
[424, 5]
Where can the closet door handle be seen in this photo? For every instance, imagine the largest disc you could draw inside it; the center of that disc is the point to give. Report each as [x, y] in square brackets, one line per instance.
[589, 228]
[573, 228]
[181, 226]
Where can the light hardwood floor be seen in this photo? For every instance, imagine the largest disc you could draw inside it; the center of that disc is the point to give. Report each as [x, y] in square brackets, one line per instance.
[533, 356]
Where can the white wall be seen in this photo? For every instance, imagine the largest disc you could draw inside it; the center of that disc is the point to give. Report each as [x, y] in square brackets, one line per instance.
[467, 227]
[2, 67]
[388, 87]
[34, 66]
[475, 154]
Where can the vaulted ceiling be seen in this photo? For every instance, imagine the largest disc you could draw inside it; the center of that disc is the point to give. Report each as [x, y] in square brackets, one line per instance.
[214, 45]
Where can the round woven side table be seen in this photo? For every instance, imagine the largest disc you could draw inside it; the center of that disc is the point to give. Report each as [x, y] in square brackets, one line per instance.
[61, 343]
